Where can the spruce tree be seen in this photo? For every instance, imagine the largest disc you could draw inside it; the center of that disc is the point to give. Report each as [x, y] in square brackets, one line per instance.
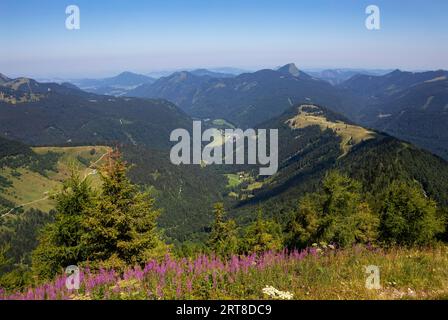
[122, 228]
[60, 243]
[337, 214]
[223, 237]
[262, 235]
[408, 216]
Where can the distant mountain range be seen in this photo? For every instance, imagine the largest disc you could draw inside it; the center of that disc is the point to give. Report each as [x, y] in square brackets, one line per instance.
[224, 72]
[337, 76]
[409, 105]
[246, 99]
[115, 86]
[211, 74]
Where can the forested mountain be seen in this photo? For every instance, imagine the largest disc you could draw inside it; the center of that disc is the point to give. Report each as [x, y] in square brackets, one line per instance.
[179, 87]
[51, 114]
[408, 105]
[245, 100]
[390, 83]
[313, 140]
[12, 148]
[186, 193]
[22, 90]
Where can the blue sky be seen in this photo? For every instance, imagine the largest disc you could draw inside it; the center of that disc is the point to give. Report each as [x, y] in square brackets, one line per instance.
[152, 35]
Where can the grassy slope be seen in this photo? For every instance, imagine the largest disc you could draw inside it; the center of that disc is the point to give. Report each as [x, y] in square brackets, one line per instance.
[33, 188]
[350, 134]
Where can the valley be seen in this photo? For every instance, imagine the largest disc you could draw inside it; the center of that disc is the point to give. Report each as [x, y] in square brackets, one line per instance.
[49, 129]
[223, 151]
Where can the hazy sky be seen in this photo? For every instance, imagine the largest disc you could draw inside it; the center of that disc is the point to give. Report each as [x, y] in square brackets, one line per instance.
[150, 35]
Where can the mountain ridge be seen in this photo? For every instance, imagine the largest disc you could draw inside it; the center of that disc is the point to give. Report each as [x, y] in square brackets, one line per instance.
[62, 115]
[307, 152]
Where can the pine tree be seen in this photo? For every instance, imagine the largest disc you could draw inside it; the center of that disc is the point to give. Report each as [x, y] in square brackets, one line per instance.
[223, 237]
[408, 216]
[337, 214]
[302, 228]
[346, 218]
[60, 243]
[122, 228]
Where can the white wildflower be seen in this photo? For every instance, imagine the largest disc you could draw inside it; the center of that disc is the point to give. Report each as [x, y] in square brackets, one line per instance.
[277, 294]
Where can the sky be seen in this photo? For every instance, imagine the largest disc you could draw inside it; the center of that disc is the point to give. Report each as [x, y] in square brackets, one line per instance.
[153, 35]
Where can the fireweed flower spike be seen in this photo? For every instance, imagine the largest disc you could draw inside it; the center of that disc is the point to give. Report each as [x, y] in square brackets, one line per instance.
[171, 278]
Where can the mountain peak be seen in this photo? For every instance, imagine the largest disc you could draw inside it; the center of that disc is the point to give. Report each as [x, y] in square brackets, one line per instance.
[395, 72]
[291, 69]
[127, 73]
[130, 75]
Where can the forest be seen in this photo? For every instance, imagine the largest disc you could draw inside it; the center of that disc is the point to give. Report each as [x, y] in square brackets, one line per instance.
[113, 235]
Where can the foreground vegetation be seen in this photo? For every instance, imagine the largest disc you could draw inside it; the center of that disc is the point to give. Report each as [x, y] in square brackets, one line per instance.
[319, 251]
[315, 273]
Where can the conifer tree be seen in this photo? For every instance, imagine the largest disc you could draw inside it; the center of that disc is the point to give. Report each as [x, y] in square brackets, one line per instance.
[408, 216]
[122, 228]
[60, 243]
[337, 214]
[223, 237]
[262, 235]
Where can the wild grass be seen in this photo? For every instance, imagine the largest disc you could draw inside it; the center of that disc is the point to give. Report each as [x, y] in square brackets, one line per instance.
[31, 188]
[315, 273]
[350, 134]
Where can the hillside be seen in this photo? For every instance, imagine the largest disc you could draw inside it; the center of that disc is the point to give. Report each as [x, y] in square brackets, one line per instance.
[410, 106]
[179, 87]
[313, 140]
[52, 114]
[29, 176]
[186, 194]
